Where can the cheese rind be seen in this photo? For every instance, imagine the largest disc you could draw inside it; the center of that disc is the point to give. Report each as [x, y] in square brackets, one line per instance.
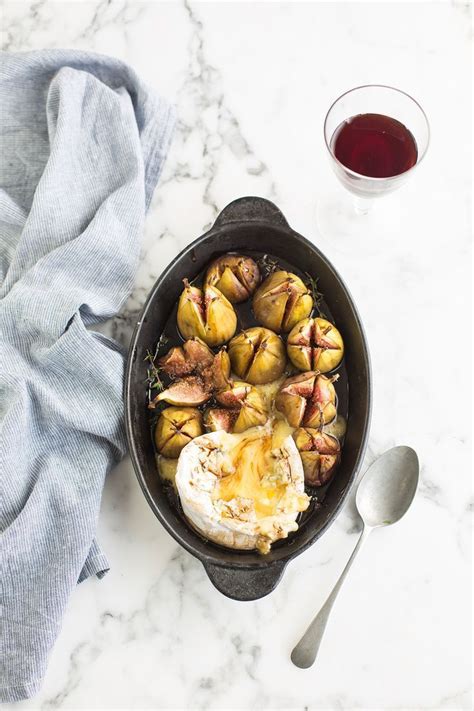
[242, 491]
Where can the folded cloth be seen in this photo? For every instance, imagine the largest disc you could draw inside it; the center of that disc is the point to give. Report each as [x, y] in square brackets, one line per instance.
[82, 145]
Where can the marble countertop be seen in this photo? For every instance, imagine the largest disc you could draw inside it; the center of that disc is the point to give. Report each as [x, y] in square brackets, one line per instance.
[252, 83]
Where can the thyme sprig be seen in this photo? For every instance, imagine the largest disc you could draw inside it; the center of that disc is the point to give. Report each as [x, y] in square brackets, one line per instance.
[312, 284]
[267, 265]
[153, 379]
[162, 341]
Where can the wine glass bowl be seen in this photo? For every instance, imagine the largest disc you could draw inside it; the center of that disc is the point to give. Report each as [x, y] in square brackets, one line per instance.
[387, 103]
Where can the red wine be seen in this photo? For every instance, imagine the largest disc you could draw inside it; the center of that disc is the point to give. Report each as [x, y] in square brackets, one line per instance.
[374, 145]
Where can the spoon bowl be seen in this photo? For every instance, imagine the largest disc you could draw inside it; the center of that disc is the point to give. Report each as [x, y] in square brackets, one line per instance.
[387, 489]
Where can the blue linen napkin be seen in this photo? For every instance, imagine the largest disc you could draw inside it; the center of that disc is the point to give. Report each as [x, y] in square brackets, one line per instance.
[83, 142]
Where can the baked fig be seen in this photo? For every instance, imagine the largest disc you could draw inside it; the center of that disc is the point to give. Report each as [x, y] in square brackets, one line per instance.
[217, 374]
[235, 276]
[175, 428]
[257, 355]
[320, 454]
[315, 344]
[192, 357]
[205, 313]
[246, 400]
[191, 390]
[307, 399]
[281, 301]
[218, 418]
[208, 375]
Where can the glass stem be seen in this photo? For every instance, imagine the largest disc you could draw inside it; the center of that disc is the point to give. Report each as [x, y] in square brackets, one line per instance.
[362, 206]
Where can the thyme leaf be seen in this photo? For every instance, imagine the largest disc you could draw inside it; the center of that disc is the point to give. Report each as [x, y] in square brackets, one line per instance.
[162, 341]
[312, 284]
[267, 265]
[153, 379]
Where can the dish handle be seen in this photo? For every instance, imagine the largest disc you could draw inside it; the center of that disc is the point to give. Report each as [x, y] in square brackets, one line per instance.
[245, 583]
[251, 209]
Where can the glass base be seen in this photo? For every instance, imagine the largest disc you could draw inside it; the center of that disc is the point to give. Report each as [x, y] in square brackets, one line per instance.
[347, 226]
[363, 206]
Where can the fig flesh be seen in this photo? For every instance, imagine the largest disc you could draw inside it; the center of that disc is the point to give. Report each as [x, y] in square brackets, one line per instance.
[210, 374]
[218, 418]
[192, 357]
[191, 390]
[307, 399]
[247, 402]
[315, 344]
[217, 374]
[320, 454]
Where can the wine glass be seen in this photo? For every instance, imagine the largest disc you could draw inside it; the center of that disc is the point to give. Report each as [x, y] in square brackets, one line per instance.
[388, 103]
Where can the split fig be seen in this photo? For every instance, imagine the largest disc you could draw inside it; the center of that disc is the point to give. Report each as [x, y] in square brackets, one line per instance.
[281, 301]
[307, 399]
[315, 344]
[246, 400]
[257, 355]
[207, 314]
[176, 427]
[235, 276]
[320, 454]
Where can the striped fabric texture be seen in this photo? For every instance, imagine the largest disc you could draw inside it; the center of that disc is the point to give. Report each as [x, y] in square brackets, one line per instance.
[82, 145]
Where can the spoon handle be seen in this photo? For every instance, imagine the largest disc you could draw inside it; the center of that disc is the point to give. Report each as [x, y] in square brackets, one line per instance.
[304, 654]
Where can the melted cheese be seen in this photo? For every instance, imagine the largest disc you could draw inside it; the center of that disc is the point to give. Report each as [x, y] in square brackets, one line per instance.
[268, 393]
[250, 462]
[281, 430]
[167, 469]
[243, 490]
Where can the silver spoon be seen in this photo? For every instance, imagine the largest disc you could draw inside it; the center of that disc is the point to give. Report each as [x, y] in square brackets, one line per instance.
[383, 496]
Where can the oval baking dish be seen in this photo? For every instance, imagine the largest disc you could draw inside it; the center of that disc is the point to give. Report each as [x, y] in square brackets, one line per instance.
[248, 223]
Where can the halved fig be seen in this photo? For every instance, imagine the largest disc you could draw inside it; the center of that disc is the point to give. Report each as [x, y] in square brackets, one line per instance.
[320, 454]
[315, 344]
[257, 355]
[217, 373]
[198, 353]
[210, 373]
[187, 391]
[192, 357]
[175, 428]
[246, 399]
[281, 301]
[235, 276]
[218, 418]
[307, 399]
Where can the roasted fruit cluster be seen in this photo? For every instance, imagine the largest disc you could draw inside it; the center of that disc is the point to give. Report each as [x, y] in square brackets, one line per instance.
[220, 389]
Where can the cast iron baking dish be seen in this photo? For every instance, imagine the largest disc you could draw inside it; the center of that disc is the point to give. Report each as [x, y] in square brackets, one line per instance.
[249, 223]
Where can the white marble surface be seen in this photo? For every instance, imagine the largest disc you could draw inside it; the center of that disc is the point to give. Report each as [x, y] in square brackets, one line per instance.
[252, 82]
